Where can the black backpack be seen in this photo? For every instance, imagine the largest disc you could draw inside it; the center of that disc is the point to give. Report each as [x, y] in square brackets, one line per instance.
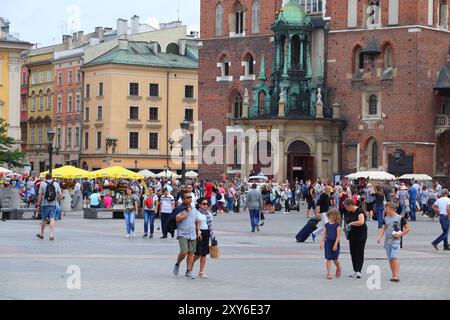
[50, 192]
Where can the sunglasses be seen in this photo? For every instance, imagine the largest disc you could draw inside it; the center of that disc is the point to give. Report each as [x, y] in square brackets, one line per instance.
[204, 203]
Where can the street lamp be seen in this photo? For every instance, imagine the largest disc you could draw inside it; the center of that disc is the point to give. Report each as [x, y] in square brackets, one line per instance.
[50, 137]
[184, 125]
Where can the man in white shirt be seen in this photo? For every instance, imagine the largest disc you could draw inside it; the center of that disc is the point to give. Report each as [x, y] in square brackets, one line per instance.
[438, 189]
[78, 186]
[167, 206]
[442, 206]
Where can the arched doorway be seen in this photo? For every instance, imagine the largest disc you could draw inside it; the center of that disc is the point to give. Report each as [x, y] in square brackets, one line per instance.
[300, 162]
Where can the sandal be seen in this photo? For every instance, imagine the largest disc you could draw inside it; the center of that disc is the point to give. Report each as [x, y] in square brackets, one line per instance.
[395, 279]
[338, 273]
[52, 238]
[329, 277]
[40, 237]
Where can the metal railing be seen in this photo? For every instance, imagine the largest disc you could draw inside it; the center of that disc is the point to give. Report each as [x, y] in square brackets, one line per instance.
[442, 121]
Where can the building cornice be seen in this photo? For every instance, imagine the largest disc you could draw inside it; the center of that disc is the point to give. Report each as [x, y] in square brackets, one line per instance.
[391, 28]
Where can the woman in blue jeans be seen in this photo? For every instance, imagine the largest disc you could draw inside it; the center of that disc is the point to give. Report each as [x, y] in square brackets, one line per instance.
[379, 205]
[149, 211]
[131, 207]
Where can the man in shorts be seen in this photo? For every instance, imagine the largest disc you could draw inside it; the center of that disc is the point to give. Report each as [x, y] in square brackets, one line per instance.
[395, 227]
[188, 231]
[47, 207]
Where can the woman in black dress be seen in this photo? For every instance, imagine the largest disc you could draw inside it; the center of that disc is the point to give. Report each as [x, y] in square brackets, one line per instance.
[357, 235]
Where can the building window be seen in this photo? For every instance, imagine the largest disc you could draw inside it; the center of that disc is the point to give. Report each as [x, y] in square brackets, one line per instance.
[86, 140]
[388, 58]
[58, 137]
[154, 90]
[134, 113]
[49, 100]
[134, 140]
[358, 61]
[239, 19]
[78, 76]
[49, 76]
[312, 6]
[153, 114]
[77, 137]
[224, 65]
[41, 101]
[59, 105]
[237, 107]
[443, 14]
[39, 135]
[70, 104]
[373, 14]
[41, 76]
[78, 103]
[374, 155]
[88, 91]
[99, 140]
[373, 105]
[59, 78]
[189, 92]
[32, 136]
[33, 101]
[69, 137]
[33, 80]
[100, 89]
[86, 114]
[99, 113]
[24, 77]
[219, 19]
[153, 141]
[255, 16]
[70, 77]
[189, 115]
[134, 89]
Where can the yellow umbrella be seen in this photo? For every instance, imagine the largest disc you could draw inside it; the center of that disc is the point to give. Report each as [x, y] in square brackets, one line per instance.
[117, 173]
[68, 172]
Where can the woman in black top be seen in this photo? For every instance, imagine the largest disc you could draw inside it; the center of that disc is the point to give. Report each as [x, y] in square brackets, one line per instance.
[357, 235]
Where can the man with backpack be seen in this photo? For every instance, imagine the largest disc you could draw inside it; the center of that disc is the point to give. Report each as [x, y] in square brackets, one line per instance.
[49, 194]
[87, 191]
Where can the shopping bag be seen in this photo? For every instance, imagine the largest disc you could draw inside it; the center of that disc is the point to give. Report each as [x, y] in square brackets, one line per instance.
[214, 252]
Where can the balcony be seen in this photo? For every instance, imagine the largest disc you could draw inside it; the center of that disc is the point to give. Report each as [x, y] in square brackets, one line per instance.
[442, 123]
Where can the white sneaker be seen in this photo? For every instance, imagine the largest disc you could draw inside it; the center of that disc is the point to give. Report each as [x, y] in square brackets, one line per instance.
[353, 275]
[127, 236]
[358, 275]
[132, 235]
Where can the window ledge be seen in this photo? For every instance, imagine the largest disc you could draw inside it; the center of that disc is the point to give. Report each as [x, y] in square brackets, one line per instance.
[100, 97]
[190, 100]
[134, 97]
[154, 98]
[248, 78]
[372, 118]
[224, 79]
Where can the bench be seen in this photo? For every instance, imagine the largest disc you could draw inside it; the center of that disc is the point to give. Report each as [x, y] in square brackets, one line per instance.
[95, 213]
[17, 214]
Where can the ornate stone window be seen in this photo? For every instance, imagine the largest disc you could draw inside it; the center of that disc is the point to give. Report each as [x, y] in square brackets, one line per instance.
[388, 58]
[219, 19]
[249, 68]
[373, 105]
[224, 69]
[373, 14]
[371, 109]
[239, 22]
[237, 106]
[255, 16]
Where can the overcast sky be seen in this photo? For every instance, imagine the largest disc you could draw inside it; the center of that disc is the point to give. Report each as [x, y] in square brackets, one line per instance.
[45, 21]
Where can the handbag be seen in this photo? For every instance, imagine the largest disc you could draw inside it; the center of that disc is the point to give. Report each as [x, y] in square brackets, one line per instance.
[214, 251]
[347, 230]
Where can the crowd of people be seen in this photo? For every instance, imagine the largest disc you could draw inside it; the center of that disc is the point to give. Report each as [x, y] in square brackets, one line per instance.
[189, 207]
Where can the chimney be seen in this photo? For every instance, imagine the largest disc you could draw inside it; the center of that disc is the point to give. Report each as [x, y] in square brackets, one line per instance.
[182, 47]
[67, 41]
[122, 27]
[135, 24]
[153, 46]
[99, 33]
[123, 44]
[93, 42]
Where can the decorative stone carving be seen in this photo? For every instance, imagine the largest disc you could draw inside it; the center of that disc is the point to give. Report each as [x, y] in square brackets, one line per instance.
[319, 104]
[282, 104]
[245, 104]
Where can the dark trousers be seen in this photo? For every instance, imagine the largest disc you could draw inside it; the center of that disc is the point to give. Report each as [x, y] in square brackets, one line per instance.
[357, 247]
[443, 219]
[164, 218]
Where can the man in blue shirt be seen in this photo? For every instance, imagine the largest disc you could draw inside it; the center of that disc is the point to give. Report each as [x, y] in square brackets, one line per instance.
[412, 192]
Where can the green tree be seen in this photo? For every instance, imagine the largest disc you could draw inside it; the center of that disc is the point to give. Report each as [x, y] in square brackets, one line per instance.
[8, 155]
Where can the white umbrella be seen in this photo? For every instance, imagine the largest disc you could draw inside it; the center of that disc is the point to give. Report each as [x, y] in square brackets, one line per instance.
[418, 177]
[147, 173]
[191, 174]
[371, 175]
[167, 174]
[5, 171]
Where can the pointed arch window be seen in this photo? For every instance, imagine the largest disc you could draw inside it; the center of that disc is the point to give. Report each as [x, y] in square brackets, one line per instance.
[374, 160]
[237, 106]
[239, 19]
[219, 19]
[41, 101]
[49, 99]
[255, 16]
[388, 57]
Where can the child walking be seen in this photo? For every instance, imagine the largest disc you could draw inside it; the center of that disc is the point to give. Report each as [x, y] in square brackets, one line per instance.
[331, 238]
[392, 226]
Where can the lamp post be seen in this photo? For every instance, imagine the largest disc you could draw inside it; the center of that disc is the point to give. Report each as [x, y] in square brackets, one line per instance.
[50, 137]
[184, 125]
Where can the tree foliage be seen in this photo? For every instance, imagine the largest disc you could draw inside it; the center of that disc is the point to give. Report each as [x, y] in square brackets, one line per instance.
[8, 155]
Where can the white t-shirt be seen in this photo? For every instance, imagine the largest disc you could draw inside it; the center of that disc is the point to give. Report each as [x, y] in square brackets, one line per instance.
[443, 203]
[203, 220]
[77, 186]
[166, 203]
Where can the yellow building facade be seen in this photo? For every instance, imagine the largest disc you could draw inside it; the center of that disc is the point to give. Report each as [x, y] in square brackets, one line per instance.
[40, 109]
[135, 100]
